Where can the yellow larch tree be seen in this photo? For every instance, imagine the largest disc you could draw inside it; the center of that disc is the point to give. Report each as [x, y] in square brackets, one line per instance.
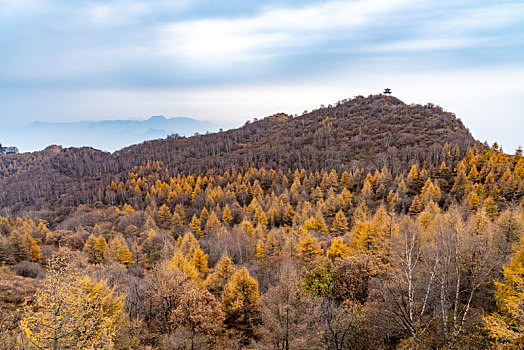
[340, 225]
[309, 249]
[118, 251]
[187, 244]
[34, 249]
[180, 263]
[220, 276]
[338, 249]
[196, 226]
[227, 218]
[199, 260]
[240, 301]
[71, 311]
[508, 323]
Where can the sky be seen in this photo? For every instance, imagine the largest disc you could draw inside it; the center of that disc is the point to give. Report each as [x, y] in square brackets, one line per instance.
[230, 61]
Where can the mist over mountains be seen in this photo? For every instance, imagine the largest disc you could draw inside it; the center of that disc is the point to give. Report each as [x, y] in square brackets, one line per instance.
[107, 135]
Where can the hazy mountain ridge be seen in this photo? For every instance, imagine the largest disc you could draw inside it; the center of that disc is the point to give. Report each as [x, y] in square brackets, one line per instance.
[108, 135]
[364, 133]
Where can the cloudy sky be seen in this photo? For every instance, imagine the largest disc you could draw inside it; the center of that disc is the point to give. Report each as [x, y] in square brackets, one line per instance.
[229, 61]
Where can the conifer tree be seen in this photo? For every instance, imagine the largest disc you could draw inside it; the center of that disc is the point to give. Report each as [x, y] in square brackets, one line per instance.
[367, 190]
[71, 311]
[99, 251]
[163, 217]
[150, 250]
[204, 216]
[20, 250]
[212, 223]
[461, 182]
[240, 301]
[508, 323]
[199, 260]
[416, 206]
[217, 280]
[491, 207]
[338, 249]
[34, 249]
[474, 201]
[179, 263]
[227, 218]
[195, 226]
[261, 218]
[309, 249]
[340, 225]
[345, 180]
[118, 251]
[260, 250]
[187, 244]
[362, 237]
[128, 208]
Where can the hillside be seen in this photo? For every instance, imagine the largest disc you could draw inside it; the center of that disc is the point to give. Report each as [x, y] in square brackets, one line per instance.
[372, 224]
[360, 133]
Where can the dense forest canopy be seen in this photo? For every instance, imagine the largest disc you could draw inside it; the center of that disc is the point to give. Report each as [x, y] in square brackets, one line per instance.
[369, 224]
[360, 133]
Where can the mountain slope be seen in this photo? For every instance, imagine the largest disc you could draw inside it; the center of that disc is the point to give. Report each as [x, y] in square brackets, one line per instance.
[367, 133]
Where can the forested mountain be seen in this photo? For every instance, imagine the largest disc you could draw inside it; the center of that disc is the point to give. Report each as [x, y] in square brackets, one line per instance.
[370, 224]
[361, 133]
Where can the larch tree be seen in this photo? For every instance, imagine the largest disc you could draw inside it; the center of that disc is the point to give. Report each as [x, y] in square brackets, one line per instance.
[217, 280]
[309, 249]
[199, 260]
[99, 250]
[227, 218]
[163, 217]
[507, 324]
[340, 225]
[34, 249]
[71, 311]
[338, 249]
[241, 301]
[118, 251]
[213, 223]
[196, 226]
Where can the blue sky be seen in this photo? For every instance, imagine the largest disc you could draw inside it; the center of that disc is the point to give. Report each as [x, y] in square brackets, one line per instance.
[230, 61]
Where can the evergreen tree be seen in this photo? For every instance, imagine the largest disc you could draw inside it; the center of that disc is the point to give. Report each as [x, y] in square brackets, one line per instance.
[20, 250]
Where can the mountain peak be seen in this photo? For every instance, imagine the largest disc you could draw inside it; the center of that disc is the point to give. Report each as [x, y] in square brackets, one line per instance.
[366, 133]
[157, 118]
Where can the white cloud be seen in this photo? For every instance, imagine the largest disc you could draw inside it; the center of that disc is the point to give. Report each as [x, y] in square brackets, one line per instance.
[482, 18]
[429, 44]
[248, 38]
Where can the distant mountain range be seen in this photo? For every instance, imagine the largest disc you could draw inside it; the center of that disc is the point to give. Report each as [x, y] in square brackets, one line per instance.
[107, 135]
